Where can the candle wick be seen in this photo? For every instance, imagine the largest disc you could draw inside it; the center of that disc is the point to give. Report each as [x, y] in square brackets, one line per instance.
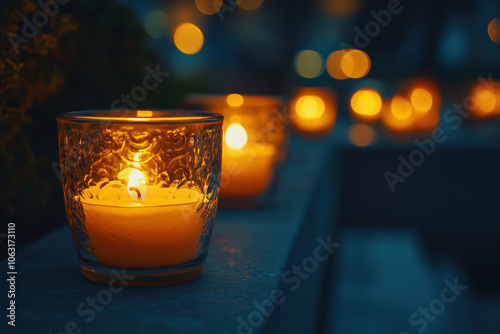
[139, 197]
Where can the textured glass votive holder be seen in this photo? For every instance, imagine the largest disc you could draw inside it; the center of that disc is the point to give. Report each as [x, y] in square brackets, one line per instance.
[254, 144]
[141, 190]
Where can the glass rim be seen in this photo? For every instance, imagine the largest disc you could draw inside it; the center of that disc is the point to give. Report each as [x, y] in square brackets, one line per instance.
[141, 116]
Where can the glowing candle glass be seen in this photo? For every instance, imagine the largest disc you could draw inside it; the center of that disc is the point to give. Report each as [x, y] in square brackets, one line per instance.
[254, 142]
[141, 190]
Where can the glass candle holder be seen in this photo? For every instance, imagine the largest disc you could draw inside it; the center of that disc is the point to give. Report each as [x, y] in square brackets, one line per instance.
[141, 190]
[254, 143]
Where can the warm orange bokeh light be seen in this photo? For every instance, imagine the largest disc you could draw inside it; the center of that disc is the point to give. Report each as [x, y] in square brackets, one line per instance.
[366, 104]
[494, 30]
[425, 100]
[333, 65]
[234, 100]
[486, 100]
[397, 115]
[250, 4]
[188, 38]
[361, 135]
[313, 110]
[350, 63]
[401, 108]
[421, 100]
[355, 64]
[310, 107]
[208, 7]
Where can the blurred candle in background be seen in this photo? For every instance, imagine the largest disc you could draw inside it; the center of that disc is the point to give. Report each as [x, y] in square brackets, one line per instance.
[313, 110]
[247, 166]
[254, 141]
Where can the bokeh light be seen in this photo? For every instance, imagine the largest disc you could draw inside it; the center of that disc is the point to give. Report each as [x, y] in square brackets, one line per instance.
[400, 108]
[421, 100]
[155, 24]
[308, 64]
[333, 65]
[250, 4]
[310, 107]
[425, 99]
[313, 110]
[188, 38]
[486, 100]
[341, 7]
[234, 100]
[349, 63]
[366, 104]
[398, 115]
[361, 135]
[494, 30]
[208, 7]
[355, 63]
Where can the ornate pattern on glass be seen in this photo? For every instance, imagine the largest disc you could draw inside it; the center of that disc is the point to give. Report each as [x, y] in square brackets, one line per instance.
[141, 195]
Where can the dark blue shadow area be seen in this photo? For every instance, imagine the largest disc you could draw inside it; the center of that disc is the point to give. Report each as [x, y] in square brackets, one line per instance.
[438, 230]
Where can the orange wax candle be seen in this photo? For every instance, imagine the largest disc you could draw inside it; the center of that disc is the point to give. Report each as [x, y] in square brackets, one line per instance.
[142, 227]
[247, 168]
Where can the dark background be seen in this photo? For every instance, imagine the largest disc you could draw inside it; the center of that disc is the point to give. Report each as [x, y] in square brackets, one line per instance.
[93, 51]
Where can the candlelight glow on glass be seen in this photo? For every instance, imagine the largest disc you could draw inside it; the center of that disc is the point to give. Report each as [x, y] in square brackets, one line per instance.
[141, 190]
[254, 142]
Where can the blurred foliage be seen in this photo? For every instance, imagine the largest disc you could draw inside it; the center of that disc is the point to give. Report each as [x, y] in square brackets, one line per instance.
[29, 73]
[86, 56]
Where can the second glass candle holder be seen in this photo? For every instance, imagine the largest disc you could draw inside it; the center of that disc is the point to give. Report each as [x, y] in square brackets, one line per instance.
[254, 144]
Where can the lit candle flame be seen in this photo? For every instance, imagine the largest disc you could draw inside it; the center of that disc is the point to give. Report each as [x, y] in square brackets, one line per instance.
[136, 185]
[236, 136]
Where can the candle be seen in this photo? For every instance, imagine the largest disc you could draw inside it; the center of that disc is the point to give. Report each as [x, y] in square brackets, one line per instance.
[141, 189]
[254, 142]
[140, 227]
[247, 168]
